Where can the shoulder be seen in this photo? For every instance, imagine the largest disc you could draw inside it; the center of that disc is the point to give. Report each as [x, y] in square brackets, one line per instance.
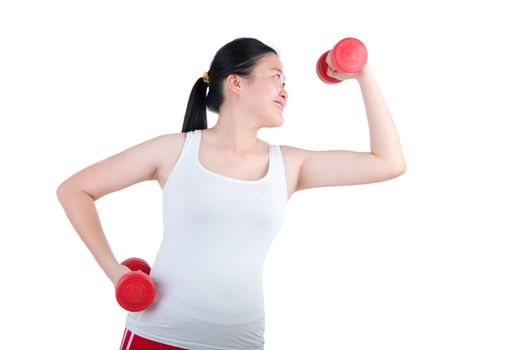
[176, 136]
[294, 154]
[169, 150]
[173, 139]
[293, 158]
[290, 149]
[162, 148]
[169, 145]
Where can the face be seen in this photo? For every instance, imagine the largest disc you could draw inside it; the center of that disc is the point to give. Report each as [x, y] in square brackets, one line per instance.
[263, 94]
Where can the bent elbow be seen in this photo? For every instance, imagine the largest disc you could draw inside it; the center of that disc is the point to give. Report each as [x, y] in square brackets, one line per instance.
[61, 190]
[398, 171]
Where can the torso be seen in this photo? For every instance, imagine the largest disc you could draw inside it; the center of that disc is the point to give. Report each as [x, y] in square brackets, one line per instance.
[251, 167]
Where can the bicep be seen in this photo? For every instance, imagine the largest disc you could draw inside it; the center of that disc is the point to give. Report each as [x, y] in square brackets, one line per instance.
[135, 164]
[341, 168]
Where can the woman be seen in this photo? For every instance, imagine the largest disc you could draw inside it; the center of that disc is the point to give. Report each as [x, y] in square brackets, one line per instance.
[224, 196]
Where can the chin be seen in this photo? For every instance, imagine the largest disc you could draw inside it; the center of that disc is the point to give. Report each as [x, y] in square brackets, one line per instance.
[277, 121]
[272, 121]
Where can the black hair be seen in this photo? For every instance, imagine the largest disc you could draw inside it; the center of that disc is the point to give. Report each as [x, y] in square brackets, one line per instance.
[240, 56]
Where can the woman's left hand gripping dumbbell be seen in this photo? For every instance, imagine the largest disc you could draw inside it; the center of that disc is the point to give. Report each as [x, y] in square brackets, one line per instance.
[134, 289]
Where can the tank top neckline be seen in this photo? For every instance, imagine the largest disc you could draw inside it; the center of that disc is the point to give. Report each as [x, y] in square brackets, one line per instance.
[197, 144]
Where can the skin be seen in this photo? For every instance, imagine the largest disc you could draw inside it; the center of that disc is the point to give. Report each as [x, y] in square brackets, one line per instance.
[249, 106]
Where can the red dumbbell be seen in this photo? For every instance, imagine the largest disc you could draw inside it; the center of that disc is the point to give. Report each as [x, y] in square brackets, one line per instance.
[348, 56]
[135, 290]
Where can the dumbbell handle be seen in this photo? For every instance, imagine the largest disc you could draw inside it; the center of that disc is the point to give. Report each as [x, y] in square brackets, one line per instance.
[349, 55]
[135, 290]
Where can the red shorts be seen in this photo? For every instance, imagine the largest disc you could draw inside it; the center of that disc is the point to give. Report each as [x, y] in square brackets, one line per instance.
[132, 341]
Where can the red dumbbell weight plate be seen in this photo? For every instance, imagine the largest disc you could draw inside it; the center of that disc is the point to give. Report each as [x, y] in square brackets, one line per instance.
[349, 55]
[135, 264]
[135, 291]
[322, 69]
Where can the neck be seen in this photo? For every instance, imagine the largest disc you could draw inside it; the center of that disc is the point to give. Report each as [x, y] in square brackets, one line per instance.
[234, 139]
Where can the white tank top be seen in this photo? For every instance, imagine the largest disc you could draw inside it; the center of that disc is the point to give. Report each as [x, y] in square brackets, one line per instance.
[208, 270]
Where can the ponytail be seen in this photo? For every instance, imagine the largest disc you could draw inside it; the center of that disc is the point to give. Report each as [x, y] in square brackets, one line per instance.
[196, 113]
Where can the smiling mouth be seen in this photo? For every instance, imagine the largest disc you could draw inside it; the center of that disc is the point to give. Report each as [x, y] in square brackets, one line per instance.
[279, 105]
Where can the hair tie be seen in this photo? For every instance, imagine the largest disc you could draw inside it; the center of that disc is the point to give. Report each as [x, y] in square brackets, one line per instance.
[206, 77]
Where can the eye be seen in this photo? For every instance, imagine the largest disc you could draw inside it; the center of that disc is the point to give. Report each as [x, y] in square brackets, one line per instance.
[278, 74]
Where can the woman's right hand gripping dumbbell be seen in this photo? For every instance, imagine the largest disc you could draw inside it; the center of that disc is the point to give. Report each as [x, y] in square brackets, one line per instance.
[134, 289]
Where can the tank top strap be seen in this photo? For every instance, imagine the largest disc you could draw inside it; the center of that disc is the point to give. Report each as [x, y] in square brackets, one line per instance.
[196, 141]
[190, 146]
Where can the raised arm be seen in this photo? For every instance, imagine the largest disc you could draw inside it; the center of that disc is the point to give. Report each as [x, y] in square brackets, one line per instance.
[345, 167]
[384, 140]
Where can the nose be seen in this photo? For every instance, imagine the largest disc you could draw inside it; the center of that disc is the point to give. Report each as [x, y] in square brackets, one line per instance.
[284, 93]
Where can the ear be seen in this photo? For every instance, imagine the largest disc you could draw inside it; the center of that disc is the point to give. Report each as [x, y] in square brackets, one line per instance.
[233, 82]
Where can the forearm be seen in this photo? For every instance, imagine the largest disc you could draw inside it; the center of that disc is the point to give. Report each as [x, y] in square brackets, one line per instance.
[384, 140]
[82, 213]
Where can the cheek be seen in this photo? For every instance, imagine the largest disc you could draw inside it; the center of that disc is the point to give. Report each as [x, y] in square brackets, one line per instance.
[260, 98]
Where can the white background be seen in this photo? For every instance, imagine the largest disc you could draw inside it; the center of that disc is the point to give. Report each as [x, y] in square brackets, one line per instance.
[434, 259]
